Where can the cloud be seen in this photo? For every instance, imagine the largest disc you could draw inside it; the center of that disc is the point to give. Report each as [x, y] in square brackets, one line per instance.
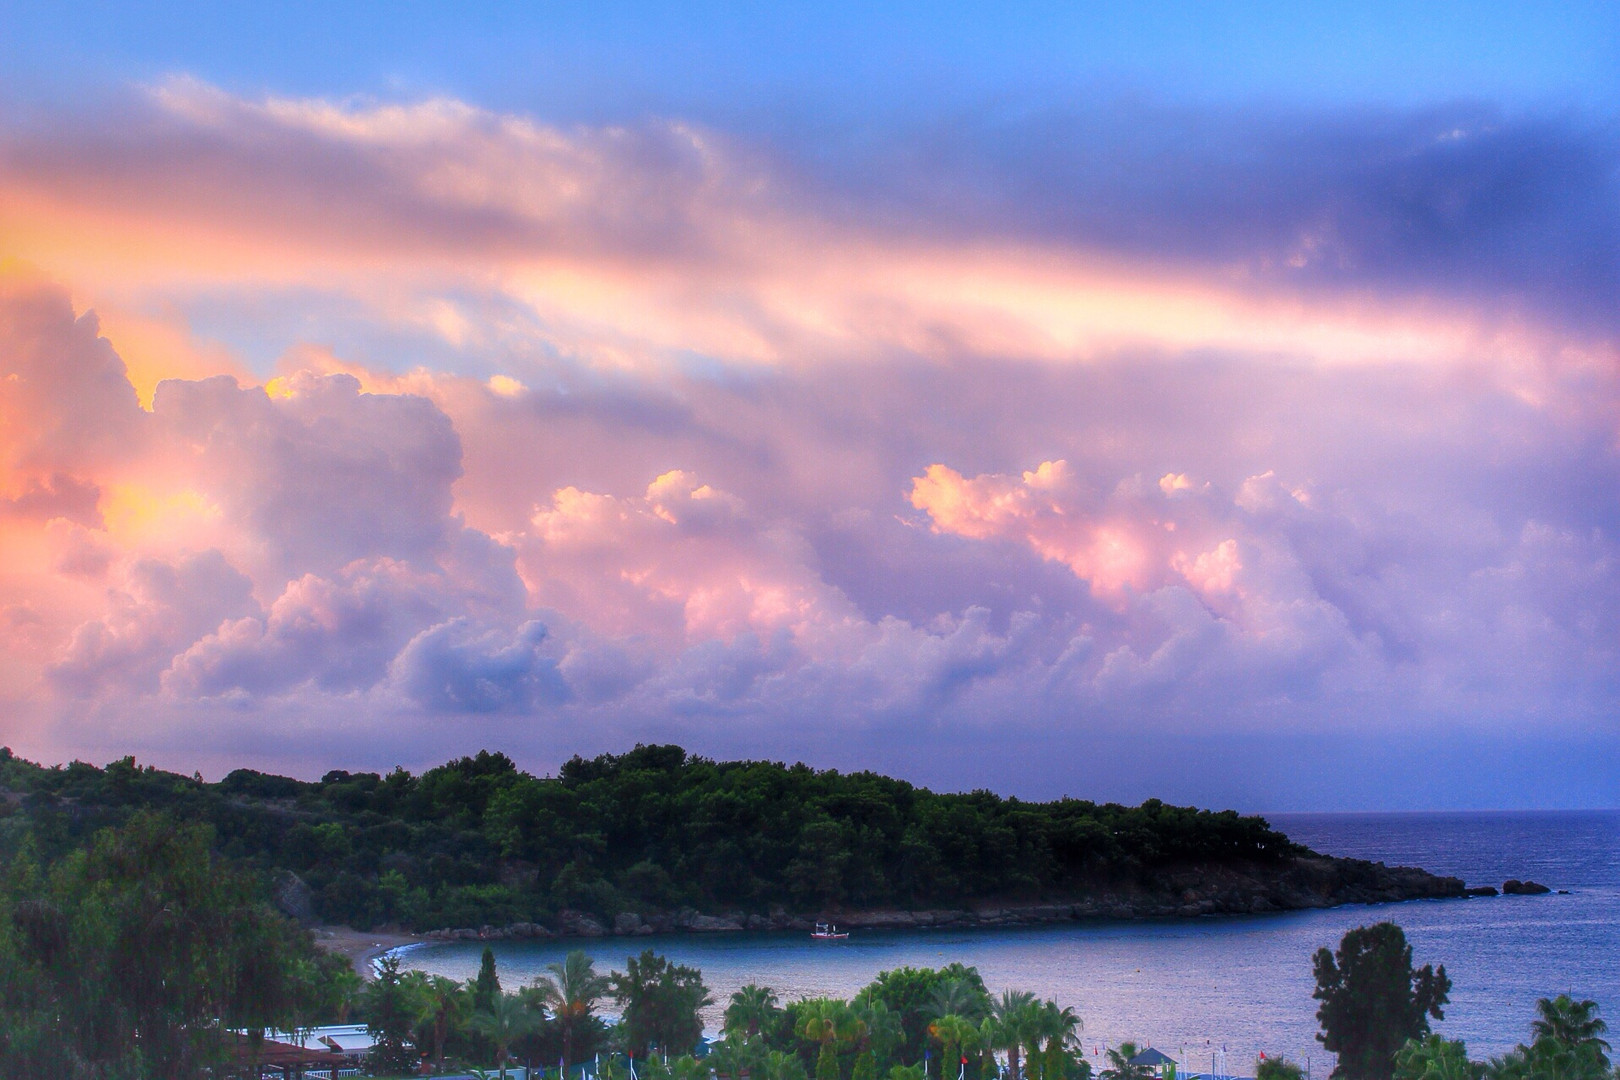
[161, 609]
[450, 669]
[1350, 238]
[1011, 437]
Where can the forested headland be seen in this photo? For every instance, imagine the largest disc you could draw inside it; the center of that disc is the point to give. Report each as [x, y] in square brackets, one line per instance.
[656, 838]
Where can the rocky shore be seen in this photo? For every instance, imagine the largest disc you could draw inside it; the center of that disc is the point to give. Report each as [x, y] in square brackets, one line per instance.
[1311, 881]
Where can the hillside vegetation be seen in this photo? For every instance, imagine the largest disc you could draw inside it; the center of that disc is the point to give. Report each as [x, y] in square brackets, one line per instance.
[477, 841]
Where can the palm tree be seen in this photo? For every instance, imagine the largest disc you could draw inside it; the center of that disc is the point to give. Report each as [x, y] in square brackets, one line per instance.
[508, 1019]
[1011, 1025]
[955, 1034]
[1433, 1058]
[1057, 1030]
[1053, 1032]
[753, 1009]
[780, 1065]
[686, 1067]
[570, 993]
[1120, 1067]
[825, 1020]
[956, 997]
[447, 1002]
[1573, 1023]
[876, 1027]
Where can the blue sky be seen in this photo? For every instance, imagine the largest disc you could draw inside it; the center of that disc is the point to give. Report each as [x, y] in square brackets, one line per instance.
[602, 61]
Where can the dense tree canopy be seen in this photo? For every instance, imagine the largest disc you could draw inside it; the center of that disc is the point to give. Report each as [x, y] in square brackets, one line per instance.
[660, 1001]
[477, 841]
[130, 956]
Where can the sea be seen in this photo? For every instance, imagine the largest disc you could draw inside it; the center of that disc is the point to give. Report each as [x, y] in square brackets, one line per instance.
[1216, 992]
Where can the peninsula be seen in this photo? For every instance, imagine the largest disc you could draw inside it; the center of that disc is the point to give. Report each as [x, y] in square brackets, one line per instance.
[657, 840]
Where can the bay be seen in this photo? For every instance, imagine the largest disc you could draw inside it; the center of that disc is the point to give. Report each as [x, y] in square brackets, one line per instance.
[1192, 987]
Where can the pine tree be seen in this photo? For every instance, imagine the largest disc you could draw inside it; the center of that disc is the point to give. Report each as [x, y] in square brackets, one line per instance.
[487, 987]
[1373, 1000]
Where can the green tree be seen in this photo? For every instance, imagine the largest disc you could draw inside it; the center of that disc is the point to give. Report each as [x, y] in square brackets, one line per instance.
[449, 1004]
[487, 986]
[1373, 1000]
[1012, 1026]
[1057, 1032]
[1434, 1058]
[1548, 1059]
[956, 1035]
[959, 996]
[508, 1019]
[827, 1063]
[391, 1015]
[781, 1065]
[122, 957]
[909, 993]
[338, 987]
[753, 1009]
[1567, 1044]
[824, 1020]
[1576, 1024]
[1120, 1066]
[661, 1002]
[687, 1067]
[1277, 1068]
[570, 991]
[876, 1030]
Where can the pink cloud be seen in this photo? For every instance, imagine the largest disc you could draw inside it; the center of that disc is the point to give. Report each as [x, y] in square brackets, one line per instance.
[627, 433]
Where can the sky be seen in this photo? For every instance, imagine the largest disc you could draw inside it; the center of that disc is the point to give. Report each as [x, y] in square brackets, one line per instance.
[1212, 402]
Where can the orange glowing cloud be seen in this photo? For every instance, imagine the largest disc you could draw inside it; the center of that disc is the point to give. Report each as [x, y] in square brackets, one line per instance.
[683, 558]
[1111, 552]
[630, 247]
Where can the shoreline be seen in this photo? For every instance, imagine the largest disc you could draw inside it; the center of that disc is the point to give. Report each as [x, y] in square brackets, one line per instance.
[1305, 883]
[363, 948]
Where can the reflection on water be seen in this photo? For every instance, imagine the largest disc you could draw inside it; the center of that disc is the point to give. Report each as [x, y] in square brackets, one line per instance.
[1190, 987]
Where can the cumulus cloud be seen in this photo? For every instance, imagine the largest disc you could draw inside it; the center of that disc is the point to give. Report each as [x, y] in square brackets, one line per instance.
[450, 669]
[1010, 437]
[162, 607]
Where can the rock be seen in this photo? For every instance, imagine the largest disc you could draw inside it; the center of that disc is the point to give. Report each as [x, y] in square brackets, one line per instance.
[626, 923]
[1481, 890]
[528, 930]
[757, 921]
[292, 897]
[1515, 887]
[711, 924]
[579, 924]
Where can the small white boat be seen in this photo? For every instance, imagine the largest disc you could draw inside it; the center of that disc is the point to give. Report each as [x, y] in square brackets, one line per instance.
[828, 932]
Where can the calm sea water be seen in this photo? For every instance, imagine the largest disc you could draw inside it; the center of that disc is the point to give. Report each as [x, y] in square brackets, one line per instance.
[1192, 987]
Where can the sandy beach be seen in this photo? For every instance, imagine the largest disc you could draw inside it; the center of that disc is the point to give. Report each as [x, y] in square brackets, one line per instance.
[361, 946]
